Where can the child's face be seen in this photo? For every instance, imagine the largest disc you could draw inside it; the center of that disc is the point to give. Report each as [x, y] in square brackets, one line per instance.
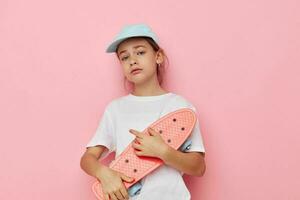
[138, 53]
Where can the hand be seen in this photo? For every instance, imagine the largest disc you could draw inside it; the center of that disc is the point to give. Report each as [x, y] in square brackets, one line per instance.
[151, 145]
[112, 185]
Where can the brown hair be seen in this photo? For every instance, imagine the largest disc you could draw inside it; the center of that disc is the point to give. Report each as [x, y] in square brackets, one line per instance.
[160, 68]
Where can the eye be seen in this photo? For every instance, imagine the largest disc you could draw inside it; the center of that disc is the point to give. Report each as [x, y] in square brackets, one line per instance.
[141, 52]
[124, 58]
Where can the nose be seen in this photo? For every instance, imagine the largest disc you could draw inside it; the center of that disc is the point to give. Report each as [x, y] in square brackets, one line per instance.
[132, 62]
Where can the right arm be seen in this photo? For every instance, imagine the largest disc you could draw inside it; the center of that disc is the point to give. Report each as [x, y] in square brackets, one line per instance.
[89, 161]
[111, 180]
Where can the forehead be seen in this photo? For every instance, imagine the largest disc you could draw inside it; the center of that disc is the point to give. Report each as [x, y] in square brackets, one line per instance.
[131, 43]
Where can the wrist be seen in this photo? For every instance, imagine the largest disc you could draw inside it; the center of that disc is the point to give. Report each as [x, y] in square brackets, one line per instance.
[165, 153]
[101, 171]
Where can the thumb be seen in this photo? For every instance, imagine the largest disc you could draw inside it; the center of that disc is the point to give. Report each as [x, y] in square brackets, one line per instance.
[126, 178]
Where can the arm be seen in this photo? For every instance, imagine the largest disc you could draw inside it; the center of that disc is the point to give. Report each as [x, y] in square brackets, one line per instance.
[152, 145]
[111, 180]
[191, 163]
[89, 161]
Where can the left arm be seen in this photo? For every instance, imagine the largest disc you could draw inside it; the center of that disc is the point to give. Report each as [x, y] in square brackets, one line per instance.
[191, 163]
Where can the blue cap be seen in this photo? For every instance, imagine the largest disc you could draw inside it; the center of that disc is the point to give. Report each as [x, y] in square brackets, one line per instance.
[132, 30]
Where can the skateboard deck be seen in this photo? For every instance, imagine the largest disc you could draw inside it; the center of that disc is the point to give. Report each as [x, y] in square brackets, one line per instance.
[174, 127]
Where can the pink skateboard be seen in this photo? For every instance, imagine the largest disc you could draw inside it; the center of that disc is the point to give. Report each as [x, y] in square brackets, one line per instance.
[175, 127]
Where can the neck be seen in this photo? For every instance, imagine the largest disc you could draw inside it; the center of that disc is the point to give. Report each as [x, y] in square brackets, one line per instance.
[150, 87]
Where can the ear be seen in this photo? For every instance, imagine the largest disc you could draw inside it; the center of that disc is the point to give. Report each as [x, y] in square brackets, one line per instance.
[159, 56]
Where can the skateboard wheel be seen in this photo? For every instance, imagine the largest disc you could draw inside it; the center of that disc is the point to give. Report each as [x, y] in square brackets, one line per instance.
[135, 189]
[186, 145]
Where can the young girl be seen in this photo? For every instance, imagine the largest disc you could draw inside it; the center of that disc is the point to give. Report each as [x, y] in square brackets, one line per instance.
[124, 119]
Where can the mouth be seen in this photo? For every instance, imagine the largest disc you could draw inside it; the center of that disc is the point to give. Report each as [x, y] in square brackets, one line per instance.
[136, 71]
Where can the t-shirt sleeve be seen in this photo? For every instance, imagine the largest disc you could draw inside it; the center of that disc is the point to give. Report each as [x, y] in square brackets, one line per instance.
[196, 137]
[104, 134]
[197, 144]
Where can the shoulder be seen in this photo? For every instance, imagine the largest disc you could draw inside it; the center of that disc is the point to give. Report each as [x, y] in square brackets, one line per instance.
[182, 101]
[179, 101]
[113, 104]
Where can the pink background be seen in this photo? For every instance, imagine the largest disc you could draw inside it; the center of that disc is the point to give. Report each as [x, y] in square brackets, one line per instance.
[236, 61]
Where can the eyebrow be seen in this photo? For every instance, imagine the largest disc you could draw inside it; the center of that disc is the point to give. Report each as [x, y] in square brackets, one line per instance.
[137, 46]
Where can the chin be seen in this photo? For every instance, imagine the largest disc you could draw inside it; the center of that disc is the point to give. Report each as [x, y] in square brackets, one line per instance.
[138, 80]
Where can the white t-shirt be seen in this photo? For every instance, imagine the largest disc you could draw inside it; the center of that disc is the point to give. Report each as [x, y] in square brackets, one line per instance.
[138, 112]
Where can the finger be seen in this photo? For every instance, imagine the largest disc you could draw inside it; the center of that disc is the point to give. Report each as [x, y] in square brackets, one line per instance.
[137, 146]
[151, 131]
[119, 195]
[124, 192]
[139, 153]
[136, 133]
[106, 196]
[138, 140]
[126, 178]
[113, 196]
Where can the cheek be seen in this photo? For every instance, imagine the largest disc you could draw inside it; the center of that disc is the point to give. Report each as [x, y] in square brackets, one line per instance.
[148, 63]
[151, 68]
[151, 64]
[126, 69]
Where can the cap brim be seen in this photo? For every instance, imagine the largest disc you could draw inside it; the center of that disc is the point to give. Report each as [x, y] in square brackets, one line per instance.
[113, 46]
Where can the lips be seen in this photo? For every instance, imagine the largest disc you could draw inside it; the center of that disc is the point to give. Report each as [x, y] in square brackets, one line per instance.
[136, 69]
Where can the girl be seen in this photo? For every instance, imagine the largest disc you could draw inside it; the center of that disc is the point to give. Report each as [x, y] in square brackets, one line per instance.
[124, 118]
